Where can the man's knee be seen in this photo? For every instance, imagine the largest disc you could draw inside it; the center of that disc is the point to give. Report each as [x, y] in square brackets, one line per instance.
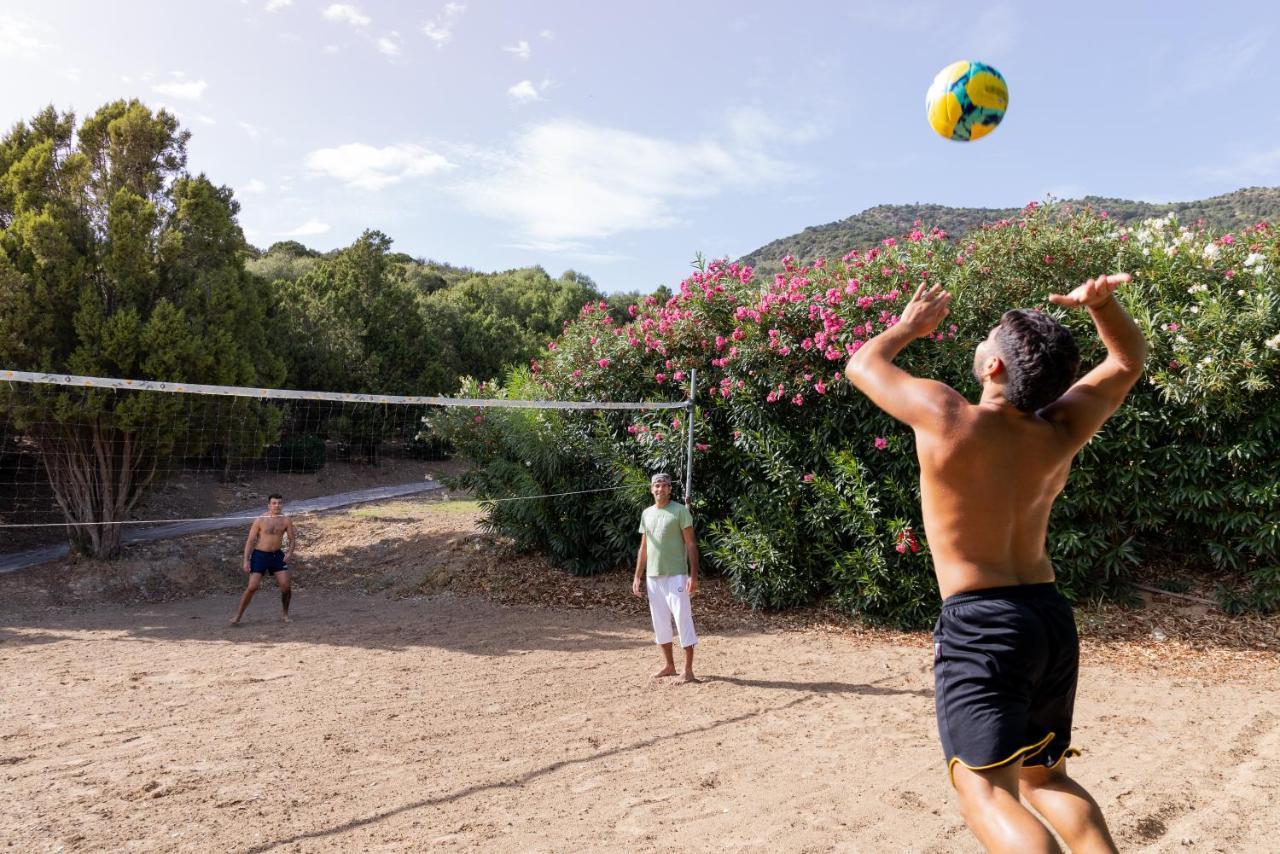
[255, 581]
[1032, 777]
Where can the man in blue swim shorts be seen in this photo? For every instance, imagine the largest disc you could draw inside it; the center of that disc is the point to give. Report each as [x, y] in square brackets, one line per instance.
[1006, 654]
[264, 554]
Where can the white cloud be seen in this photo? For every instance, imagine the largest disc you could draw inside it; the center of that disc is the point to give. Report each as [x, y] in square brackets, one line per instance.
[207, 120]
[72, 74]
[440, 28]
[995, 32]
[520, 50]
[18, 38]
[903, 15]
[331, 48]
[523, 92]
[1230, 61]
[254, 185]
[367, 168]
[547, 34]
[568, 181]
[277, 5]
[390, 44]
[310, 228]
[180, 87]
[345, 13]
[1256, 166]
[249, 129]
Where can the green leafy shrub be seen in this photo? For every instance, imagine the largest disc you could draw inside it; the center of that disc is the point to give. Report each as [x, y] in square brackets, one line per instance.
[803, 489]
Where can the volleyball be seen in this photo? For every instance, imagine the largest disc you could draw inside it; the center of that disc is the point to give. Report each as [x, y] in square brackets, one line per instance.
[966, 101]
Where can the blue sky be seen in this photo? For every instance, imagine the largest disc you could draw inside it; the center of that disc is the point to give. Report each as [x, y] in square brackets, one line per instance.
[621, 139]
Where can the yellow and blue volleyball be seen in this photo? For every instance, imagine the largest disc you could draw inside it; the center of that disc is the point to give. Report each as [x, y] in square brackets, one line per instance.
[966, 101]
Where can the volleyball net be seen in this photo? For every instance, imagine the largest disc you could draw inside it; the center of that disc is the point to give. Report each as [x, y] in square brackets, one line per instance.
[95, 459]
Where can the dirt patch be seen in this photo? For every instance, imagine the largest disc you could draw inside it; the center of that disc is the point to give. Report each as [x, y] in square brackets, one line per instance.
[438, 691]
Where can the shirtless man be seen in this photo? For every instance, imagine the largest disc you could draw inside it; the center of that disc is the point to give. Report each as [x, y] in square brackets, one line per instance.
[266, 536]
[1006, 651]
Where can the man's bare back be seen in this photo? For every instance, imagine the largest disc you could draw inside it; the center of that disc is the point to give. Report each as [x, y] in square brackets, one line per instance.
[987, 486]
[1006, 650]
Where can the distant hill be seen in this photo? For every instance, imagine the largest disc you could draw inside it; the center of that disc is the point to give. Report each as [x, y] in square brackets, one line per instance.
[1229, 212]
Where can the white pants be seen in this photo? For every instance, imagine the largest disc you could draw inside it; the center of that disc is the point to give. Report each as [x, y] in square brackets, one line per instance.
[668, 600]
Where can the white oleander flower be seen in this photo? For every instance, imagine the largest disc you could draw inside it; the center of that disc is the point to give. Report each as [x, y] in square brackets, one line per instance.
[1211, 251]
[1253, 258]
[1274, 341]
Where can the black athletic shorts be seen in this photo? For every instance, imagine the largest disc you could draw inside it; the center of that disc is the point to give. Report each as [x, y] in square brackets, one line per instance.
[268, 562]
[1005, 667]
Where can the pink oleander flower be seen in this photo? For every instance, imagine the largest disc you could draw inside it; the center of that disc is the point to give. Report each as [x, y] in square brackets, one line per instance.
[659, 436]
[479, 419]
[808, 478]
[551, 345]
[901, 548]
[798, 400]
[820, 387]
[632, 429]
[678, 376]
[660, 377]
[604, 363]
[675, 423]
[699, 446]
[881, 443]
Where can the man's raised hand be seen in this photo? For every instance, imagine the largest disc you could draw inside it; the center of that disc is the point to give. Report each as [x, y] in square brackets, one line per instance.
[926, 309]
[1093, 293]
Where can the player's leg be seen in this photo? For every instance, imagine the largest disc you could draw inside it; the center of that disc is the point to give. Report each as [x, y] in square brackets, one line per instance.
[1066, 805]
[660, 615]
[286, 591]
[682, 611]
[255, 581]
[991, 808]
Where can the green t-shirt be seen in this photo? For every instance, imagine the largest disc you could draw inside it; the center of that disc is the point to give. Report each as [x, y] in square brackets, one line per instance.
[663, 528]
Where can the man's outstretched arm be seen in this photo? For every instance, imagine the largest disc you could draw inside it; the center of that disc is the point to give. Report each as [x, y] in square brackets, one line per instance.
[910, 399]
[1099, 393]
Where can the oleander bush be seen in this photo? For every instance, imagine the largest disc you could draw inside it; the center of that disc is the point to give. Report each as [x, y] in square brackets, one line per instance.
[803, 489]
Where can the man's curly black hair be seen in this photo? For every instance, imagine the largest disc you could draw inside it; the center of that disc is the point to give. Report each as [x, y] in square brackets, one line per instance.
[1040, 357]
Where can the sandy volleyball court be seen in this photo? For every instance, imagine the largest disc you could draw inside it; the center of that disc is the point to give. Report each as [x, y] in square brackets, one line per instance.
[376, 724]
[435, 692]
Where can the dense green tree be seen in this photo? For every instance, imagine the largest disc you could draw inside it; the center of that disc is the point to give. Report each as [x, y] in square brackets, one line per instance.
[487, 323]
[115, 262]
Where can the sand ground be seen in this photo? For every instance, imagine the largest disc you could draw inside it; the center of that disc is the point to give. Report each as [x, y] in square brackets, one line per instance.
[426, 719]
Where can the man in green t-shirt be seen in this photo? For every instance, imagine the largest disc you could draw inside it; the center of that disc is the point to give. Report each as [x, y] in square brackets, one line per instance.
[670, 555]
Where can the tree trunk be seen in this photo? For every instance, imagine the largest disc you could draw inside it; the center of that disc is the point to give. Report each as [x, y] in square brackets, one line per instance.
[98, 473]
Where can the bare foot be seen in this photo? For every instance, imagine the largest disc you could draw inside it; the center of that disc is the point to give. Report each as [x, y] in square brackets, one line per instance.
[285, 617]
[666, 671]
[235, 624]
[689, 677]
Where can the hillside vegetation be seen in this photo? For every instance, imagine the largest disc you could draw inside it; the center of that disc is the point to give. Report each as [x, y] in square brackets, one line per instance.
[1225, 213]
